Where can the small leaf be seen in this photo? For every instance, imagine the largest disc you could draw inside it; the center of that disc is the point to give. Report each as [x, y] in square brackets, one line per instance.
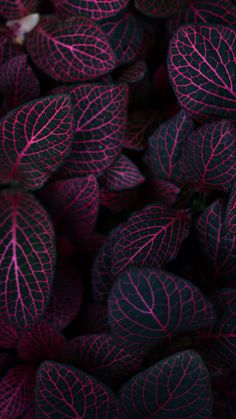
[18, 83]
[64, 391]
[147, 307]
[94, 9]
[70, 50]
[231, 211]
[201, 64]
[101, 116]
[17, 391]
[27, 258]
[141, 124]
[150, 237]
[15, 9]
[35, 138]
[118, 201]
[209, 156]
[178, 386]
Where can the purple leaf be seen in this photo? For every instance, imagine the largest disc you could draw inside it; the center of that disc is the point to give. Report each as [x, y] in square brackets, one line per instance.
[18, 83]
[201, 64]
[159, 8]
[66, 297]
[133, 73]
[231, 211]
[220, 340]
[94, 9]
[217, 244]
[15, 9]
[102, 277]
[178, 386]
[150, 237]
[17, 391]
[165, 147]
[70, 50]
[123, 174]
[118, 201]
[126, 35]
[27, 260]
[73, 200]
[35, 138]
[147, 307]
[8, 335]
[99, 355]
[161, 191]
[209, 156]
[141, 124]
[64, 391]
[41, 342]
[101, 116]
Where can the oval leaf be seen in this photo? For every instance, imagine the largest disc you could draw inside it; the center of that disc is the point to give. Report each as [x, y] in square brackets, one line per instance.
[202, 73]
[141, 124]
[209, 156]
[72, 50]
[118, 201]
[15, 9]
[60, 392]
[18, 83]
[176, 387]
[27, 259]
[150, 237]
[35, 138]
[101, 116]
[94, 9]
[146, 307]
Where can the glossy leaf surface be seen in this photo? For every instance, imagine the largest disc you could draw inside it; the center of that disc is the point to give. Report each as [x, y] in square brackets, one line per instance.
[97, 10]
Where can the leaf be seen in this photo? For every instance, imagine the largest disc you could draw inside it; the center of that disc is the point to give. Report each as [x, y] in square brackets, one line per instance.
[15, 9]
[161, 191]
[96, 10]
[101, 116]
[35, 138]
[99, 355]
[41, 342]
[133, 72]
[70, 50]
[159, 8]
[147, 307]
[8, 335]
[201, 64]
[209, 156]
[74, 204]
[123, 174]
[220, 340]
[178, 386]
[141, 124]
[126, 35]
[217, 244]
[18, 83]
[118, 201]
[165, 147]
[231, 211]
[66, 296]
[102, 277]
[27, 260]
[17, 391]
[150, 237]
[64, 391]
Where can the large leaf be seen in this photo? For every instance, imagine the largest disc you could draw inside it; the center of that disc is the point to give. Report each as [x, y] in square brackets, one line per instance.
[64, 391]
[231, 211]
[18, 83]
[100, 355]
[34, 140]
[17, 391]
[15, 9]
[220, 340]
[165, 147]
[94, 9]
[27, 259]
[70, 50]
[101, 116]
[201, 63]
[74, 204]
[176, 387]
[218, 245]
[209, 156]
[147, 307]
[159, 8]
[123, 174]
[150, 237]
